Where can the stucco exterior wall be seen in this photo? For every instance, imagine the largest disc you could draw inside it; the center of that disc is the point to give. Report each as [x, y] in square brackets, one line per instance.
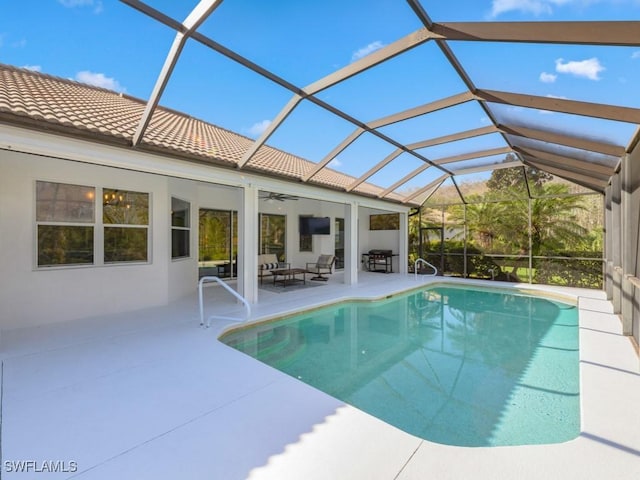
[378, 239]
[30, 295]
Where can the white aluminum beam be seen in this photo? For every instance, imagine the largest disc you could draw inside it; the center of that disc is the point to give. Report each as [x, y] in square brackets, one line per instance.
[198, 15]
[472, 155]
[562, 161]
[617, 33]
[404, 180]
[376, 168]
[476, 132]
[598, 110]
[567, 175]
[334, 153]
[379, 56]
[566, 140]
[417, 193]
[281, 117]
[635, 140]
[164, 19]
[422, 109]
[484, 168]
[452, 59]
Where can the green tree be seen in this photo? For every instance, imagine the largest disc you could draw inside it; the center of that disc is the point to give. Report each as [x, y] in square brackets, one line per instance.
[554, 219]
[514, 178]
[484, 220]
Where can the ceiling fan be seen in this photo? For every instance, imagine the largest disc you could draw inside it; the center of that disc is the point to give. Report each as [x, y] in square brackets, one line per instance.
[280, 197]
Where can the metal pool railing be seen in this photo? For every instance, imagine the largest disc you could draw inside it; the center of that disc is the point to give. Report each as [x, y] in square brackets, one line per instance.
[230, 290]
[422, 260]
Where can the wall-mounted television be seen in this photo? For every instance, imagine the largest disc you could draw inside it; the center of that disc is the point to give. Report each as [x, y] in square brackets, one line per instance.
[315, 225]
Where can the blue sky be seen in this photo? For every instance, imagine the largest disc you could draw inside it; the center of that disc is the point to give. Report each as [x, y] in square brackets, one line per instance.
[107, 43]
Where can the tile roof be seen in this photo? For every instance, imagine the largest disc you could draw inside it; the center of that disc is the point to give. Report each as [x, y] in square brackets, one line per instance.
[46, 102]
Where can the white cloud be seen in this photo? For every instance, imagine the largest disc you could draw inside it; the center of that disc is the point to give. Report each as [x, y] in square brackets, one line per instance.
[364, 51]
[545, 7]
[19, 43]
[589, 68]
[335, 163]
[635, 55]
[96, 4]
[548, 77]
[536, 7]
[33, 68]
[258, 129]
[99, 80]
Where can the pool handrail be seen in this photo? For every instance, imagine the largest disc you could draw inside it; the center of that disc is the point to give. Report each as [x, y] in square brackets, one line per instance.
[415, 268]
[230, 290]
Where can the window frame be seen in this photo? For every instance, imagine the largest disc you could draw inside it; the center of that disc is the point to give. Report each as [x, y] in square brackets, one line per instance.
[105, 226]
[97, 225]
[186, 229]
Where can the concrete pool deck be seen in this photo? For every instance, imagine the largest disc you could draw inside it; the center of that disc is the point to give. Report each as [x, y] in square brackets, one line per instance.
[150, 394]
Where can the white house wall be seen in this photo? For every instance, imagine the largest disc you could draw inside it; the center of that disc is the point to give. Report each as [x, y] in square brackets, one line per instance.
[379, 239]
[34, 296]
[182, 272]
[31, 295]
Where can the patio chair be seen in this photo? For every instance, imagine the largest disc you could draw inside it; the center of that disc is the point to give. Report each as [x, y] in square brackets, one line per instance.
[324, 265]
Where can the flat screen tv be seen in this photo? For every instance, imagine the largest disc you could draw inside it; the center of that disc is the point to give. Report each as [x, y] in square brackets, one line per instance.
[315, 225]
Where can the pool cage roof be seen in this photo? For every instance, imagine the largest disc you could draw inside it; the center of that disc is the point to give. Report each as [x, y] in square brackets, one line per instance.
[407, 96]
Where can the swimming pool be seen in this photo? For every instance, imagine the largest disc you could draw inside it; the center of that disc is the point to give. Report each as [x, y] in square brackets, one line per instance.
[458, 366]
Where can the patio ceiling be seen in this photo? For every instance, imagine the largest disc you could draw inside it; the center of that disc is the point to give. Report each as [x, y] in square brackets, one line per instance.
[517, 133]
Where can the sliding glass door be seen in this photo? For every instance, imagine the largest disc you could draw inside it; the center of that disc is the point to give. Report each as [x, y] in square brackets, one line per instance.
[273, 229]
[218, 242]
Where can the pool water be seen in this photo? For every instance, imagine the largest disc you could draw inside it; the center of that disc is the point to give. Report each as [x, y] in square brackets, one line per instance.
[452, 365]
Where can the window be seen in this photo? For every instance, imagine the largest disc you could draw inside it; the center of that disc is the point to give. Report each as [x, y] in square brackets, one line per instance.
[385, 221]
[70, 228]
[180, 228]
[125, 216]
[65, 216]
